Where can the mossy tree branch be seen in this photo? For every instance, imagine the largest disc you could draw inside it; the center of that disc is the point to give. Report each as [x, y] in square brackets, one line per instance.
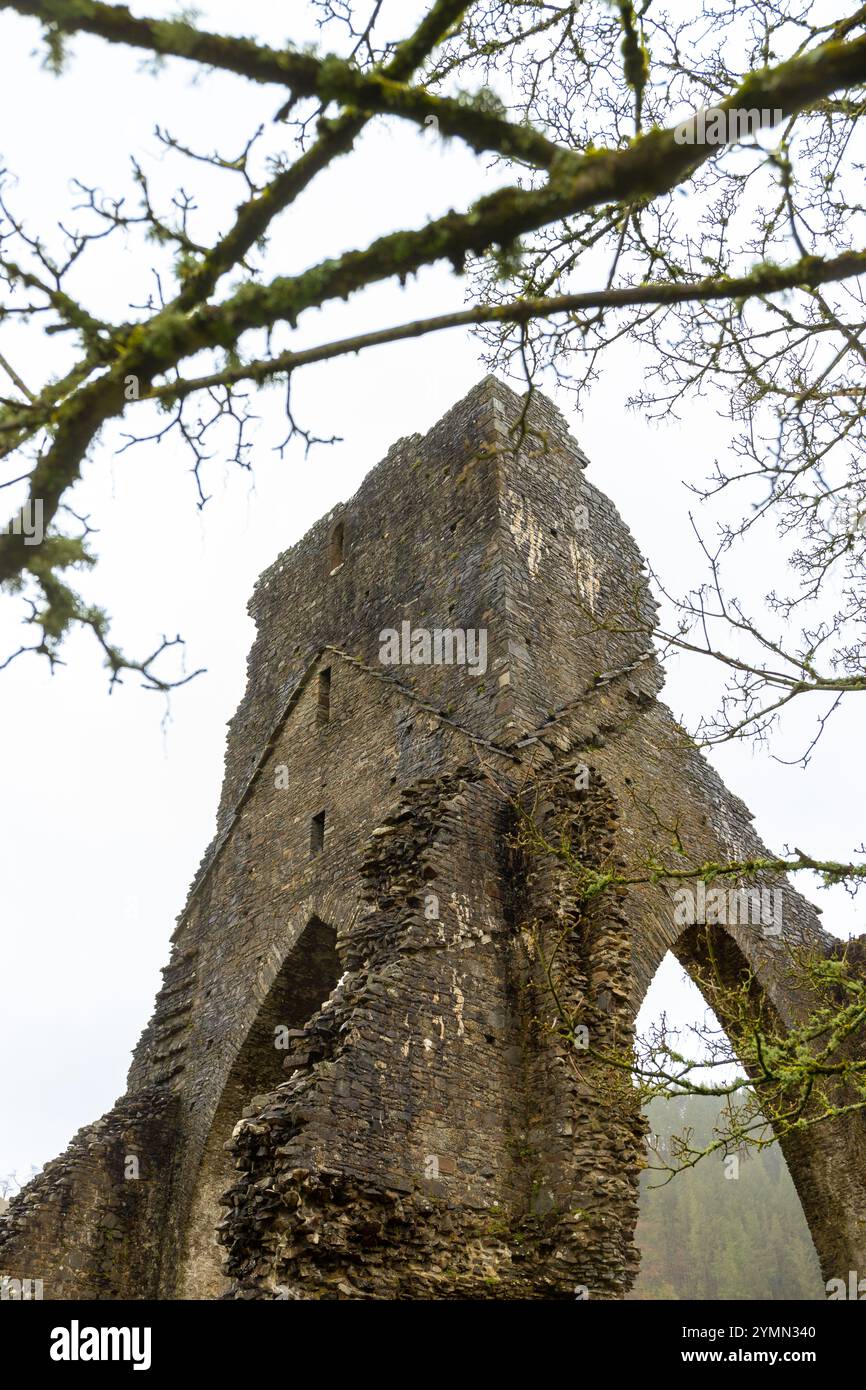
[617, 183]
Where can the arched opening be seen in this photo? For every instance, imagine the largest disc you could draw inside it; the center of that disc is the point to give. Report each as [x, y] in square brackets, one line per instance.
[732, 1226]
[337, 546]
[306, 978]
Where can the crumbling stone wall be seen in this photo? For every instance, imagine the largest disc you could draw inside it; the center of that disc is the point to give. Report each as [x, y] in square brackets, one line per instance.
[428, 1131]
[90, 1224]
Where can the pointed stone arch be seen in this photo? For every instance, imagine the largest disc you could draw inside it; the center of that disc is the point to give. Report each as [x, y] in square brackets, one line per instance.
[827, 1163]
[308, 974]
[591, 957]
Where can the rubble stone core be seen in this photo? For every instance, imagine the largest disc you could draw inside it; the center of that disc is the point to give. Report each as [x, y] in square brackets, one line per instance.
[354, 1083]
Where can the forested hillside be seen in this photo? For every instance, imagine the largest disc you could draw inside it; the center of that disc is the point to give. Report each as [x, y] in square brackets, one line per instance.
[705, 1236]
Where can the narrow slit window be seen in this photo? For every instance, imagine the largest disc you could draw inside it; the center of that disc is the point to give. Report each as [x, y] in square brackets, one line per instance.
[337, 545]
[317, 834]
[323, 713]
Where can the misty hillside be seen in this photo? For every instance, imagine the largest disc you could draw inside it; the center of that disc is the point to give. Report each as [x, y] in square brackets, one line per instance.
[705, 1236]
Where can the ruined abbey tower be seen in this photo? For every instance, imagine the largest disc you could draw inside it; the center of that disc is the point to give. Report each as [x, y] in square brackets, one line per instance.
[356, 1082]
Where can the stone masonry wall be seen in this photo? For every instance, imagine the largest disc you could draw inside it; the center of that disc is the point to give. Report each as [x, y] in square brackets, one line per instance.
[360, 1065]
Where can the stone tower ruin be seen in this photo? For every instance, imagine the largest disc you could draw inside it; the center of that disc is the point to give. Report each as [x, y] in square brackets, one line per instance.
[356, 1082]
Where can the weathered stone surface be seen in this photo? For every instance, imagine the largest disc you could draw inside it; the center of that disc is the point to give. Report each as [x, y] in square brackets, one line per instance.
[354, 1069]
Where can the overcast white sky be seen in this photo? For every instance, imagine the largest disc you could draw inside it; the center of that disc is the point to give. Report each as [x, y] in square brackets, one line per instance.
[106, 809]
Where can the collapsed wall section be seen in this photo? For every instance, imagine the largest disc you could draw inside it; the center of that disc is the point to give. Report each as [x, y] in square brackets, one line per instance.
[90, 1224]
[387, 1163]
